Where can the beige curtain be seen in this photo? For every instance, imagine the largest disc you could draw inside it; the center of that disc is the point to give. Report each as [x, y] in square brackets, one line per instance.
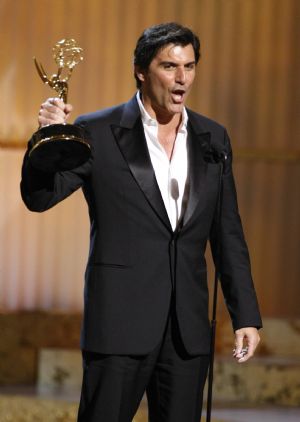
[247, 79]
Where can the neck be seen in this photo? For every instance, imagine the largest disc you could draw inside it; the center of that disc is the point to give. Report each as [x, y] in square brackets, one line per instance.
[162, 116]
[173, 120]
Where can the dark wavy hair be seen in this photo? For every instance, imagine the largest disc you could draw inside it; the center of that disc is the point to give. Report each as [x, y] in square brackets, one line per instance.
[156, 37]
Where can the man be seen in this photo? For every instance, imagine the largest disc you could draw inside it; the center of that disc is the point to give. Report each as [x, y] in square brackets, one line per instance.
[152, 190]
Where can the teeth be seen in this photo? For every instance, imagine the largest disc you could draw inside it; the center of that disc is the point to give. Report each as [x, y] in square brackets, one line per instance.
[178, 95]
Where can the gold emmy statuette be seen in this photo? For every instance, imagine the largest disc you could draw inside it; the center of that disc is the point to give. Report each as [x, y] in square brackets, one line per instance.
[64, 146]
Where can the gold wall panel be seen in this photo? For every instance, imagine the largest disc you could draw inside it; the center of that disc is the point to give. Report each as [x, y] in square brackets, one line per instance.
[247, 79]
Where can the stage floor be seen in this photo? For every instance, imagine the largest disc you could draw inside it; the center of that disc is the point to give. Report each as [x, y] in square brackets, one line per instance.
[258, 415]
[25, 405]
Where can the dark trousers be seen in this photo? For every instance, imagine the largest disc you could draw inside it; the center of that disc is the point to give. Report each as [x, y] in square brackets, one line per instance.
[113, 385]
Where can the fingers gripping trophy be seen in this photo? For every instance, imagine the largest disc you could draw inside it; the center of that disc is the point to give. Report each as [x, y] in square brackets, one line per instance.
[59, 147]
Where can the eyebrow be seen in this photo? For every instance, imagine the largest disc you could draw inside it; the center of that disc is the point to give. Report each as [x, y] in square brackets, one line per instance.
[175, 64]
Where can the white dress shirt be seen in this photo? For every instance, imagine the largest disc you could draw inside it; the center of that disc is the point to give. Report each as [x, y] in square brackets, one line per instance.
[171, 175]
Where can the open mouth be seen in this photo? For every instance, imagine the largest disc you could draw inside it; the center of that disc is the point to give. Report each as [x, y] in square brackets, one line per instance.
[178, 95]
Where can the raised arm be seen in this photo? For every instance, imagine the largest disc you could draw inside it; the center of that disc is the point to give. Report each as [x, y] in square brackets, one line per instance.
[42, 190]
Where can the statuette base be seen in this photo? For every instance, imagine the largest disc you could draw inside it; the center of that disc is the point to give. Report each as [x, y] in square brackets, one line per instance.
[59, 147]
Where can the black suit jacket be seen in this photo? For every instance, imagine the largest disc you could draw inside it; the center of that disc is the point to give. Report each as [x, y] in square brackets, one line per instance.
[136, 261]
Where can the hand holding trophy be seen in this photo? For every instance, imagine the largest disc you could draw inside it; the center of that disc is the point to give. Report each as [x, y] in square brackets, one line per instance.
[59, 147]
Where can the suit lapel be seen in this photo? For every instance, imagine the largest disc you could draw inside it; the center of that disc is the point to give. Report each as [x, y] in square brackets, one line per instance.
[131, 140]
[197, 167]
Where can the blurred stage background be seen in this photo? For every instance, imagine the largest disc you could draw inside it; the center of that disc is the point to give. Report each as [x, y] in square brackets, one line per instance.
[248, 80]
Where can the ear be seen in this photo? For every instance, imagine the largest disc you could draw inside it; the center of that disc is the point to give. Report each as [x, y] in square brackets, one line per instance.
[140, 73]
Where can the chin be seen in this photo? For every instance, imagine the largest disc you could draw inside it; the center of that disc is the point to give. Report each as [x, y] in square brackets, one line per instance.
[177, 108]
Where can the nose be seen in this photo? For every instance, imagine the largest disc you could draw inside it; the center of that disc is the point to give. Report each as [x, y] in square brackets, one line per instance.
[180, 75]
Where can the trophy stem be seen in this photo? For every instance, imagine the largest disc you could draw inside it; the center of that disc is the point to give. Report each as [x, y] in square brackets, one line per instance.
[64, 96]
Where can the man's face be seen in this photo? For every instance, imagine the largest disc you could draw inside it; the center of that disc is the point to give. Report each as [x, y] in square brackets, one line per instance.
[168, 80]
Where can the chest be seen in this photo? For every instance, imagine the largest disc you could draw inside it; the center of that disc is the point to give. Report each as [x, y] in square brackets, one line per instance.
[167, 142]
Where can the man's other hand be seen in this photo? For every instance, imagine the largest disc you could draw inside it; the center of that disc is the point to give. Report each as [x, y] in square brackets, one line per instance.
[54, 111]
[246, 341]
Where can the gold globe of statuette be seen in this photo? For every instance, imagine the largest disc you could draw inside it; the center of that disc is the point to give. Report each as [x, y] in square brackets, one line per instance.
[66, 53]
[60, 147]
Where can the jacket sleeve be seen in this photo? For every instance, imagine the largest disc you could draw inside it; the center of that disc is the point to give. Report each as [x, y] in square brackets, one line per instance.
[41, 191]
[231, 254]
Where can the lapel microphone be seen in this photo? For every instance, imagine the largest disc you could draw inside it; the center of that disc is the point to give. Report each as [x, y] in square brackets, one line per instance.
[174, 188]
[214, 154]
